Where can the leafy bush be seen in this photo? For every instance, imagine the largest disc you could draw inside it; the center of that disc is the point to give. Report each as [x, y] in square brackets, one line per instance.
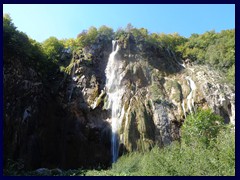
[225, 148]
[203, 125]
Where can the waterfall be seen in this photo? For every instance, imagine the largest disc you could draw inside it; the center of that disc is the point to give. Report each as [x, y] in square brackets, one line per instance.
[114, 93]
[190, 97]
[72, 84]
[184, 111]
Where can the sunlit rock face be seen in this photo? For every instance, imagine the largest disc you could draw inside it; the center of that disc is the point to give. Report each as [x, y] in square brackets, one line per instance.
[119, 97]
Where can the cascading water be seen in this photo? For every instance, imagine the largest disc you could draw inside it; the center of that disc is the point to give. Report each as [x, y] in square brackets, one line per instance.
[114, 92]
[72, 84]
[190, 97]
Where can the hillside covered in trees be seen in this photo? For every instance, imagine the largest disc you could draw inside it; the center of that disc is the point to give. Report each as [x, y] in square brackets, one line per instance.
[57, 95]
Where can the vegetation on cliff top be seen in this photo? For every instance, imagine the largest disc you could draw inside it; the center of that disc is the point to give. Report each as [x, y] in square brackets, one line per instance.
[215, 49]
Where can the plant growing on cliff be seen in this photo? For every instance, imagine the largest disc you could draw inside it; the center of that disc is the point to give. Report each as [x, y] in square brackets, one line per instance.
[204, 125]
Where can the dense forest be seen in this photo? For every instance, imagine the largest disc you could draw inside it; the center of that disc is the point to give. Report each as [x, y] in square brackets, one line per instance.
[207, 144]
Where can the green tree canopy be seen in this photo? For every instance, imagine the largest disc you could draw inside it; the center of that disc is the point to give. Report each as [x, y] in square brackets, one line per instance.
[53, 49]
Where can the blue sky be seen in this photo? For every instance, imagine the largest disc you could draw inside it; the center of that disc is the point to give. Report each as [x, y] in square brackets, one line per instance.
[66, 21]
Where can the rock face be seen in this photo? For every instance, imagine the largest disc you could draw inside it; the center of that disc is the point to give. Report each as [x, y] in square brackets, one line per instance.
[23, 94]
[71, 127]
[53, 125]
[159, 91]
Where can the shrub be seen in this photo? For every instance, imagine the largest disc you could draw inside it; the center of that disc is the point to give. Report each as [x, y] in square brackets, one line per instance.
[203, 125]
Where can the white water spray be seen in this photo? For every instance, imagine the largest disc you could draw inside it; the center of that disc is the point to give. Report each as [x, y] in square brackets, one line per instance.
[183, 107]
[190, 97]
[72, 84]
[115, 93]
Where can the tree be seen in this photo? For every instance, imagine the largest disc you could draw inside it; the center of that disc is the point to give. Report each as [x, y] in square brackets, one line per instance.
[70, 43]
[105, 32]
[53, 49]
[18, 46]
[86, 38]
[9, 33]
[91, 35]
[129, 27]
[204, 126]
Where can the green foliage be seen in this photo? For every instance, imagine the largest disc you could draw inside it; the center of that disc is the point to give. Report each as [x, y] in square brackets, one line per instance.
[180, 159]
[193, 158]
[203, 125]
[68, 69]
[17, 45]
[70, 43]
[58, 53]
[9, 31]
[215, 49]
[86, 38]
[225, 146]
[53, 49]
[44, 57]
[122, 36]
[62, 69]
[128, 163]
[171, 41]
[231, 74]
[105, 33]
[120, 32]
[196, 46]
[221, 54]
[90, 36]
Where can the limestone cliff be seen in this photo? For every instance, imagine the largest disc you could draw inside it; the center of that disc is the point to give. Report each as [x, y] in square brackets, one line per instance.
[159, 91]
